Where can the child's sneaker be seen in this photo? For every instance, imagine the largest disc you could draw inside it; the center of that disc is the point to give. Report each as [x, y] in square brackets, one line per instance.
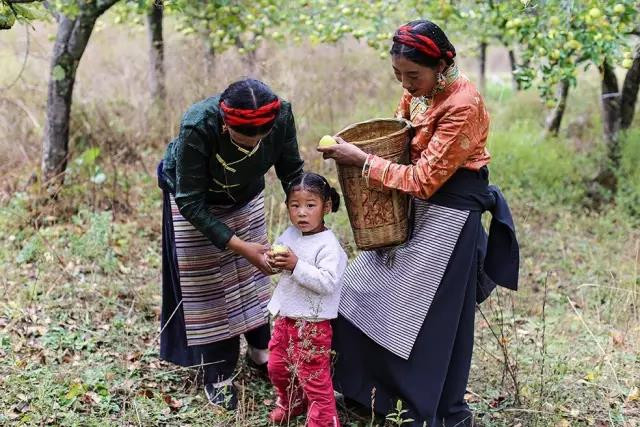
[280, 416]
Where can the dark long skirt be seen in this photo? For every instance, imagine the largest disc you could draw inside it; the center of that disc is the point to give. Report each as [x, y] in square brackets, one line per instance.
[218, 359]
[432, 382]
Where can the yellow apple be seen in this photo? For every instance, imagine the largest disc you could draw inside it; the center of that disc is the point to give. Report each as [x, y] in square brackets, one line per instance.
[595, 13]
[327, 141]
[573, 44]
[279, 249]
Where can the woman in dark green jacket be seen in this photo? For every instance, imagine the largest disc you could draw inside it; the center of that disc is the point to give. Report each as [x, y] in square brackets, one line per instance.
[215, 285]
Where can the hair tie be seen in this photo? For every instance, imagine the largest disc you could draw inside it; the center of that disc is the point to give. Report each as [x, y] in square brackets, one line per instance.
[423, 44]
[249, 117]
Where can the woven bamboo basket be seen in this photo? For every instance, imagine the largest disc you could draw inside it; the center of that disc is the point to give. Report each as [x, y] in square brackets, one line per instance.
[378, 218]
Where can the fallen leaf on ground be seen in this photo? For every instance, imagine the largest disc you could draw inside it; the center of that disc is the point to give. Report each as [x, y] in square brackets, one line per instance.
[133, 356]
[91, 398]
[497, 401]
[146, 393]
[172, 403]
[618, 338]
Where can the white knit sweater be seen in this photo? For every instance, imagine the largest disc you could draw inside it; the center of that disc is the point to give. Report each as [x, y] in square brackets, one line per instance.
[312, 290]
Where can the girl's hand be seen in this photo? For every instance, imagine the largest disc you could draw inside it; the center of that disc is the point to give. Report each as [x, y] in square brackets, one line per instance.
[252, 252]
[271, 261]
[344, 153]
[285, 261]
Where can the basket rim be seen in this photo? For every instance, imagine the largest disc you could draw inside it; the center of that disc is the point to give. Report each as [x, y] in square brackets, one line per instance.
[407, 125]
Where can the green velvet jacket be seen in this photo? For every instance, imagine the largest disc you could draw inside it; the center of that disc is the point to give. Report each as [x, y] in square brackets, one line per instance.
[199, 168]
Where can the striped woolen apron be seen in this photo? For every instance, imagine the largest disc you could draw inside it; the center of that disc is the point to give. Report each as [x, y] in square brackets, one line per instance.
[223, 295]
[388, 299]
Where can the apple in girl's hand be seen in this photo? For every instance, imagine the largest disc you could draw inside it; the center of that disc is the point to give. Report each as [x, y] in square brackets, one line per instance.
[279, 249]
[276, 250]
[327, 141]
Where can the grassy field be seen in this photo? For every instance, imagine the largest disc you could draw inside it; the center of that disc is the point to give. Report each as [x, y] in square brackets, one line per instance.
[80, 282]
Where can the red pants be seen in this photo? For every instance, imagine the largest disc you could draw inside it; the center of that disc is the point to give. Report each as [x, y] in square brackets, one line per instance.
[300, 369]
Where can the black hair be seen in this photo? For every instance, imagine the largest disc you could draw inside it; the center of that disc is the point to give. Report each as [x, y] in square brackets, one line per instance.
[249, 94]
[425, 28]
[316, 184]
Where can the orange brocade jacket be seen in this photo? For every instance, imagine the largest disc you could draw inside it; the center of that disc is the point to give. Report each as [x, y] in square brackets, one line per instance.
[451, 130]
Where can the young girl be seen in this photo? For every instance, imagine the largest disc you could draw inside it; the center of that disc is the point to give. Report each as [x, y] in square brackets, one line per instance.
[306, 297]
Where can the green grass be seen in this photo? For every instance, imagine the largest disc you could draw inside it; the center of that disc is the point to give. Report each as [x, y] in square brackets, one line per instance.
[628, 198]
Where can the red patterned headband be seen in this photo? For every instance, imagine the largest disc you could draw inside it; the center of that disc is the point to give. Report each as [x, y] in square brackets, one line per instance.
[423, 44]
[246, 117]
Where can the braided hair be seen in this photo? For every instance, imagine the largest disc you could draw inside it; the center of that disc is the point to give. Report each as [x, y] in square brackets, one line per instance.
[424, 43]
[317, 184]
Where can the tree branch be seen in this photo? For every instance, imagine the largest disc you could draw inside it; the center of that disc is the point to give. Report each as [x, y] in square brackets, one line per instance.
[103, 5]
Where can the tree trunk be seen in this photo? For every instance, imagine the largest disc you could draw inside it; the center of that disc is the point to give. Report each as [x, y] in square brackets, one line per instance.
[156, 53]
[630, 92]
[611, 112]
[482, 82]
[554, 119]
[606, 177]
[514, 68]
[71, 40]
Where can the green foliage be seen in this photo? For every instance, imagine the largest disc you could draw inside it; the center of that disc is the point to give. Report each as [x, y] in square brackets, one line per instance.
[526, 165]
[10, 13]
[132, 12]
[559, 37]
[58, 73]
[72, 8]
[398, 417]
[58, 338]
[7, 17]
[246, 24]
[94, 244]
[87, 167]
[555, 38]
[628, 195]
[536, 168]
[31, 250]
[482, 21]
[14, 213]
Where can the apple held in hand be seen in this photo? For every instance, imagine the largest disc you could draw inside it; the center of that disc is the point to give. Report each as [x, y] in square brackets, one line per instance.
[279, 249]
[327, 141]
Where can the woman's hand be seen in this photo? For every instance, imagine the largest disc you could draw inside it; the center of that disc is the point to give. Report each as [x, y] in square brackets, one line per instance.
[344, 153]
[284, 261]
[255, 253]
